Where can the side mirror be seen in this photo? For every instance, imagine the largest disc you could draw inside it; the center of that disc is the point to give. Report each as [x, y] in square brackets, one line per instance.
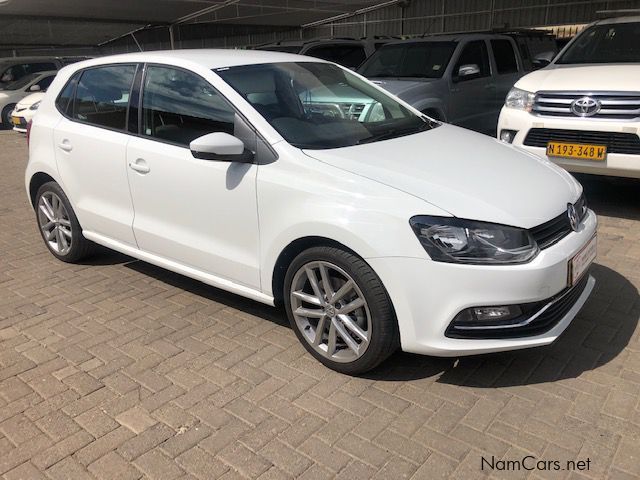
[543, 59]
[34, 88]
[220, 147]
[468, 70]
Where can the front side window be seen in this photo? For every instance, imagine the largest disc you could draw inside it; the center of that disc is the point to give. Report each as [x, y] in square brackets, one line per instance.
[505, 56]
[179, 106]
[605, 44]
[102, 96]
[409, 60]
[346, 55]
[319, 105]
[21, 83]
[473, 62]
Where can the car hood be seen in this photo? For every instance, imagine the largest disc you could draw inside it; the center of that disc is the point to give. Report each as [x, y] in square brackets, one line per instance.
[465, 173]
[401, 88]
[582, 78]
[30, 100]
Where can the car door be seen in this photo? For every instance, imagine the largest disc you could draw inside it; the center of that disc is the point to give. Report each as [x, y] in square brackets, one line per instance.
[198, 213]
[472, 88]
[90, 147]
[506, 71]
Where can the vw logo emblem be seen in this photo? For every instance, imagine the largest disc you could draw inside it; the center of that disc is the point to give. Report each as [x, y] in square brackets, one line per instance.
[585, 107]
[573, 217]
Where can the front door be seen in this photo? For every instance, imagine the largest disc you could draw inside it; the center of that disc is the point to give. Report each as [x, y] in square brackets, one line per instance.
[198, 213]
[472, 99]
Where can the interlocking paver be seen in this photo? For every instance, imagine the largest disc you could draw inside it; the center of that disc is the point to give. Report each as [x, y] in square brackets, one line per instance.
[119, 369]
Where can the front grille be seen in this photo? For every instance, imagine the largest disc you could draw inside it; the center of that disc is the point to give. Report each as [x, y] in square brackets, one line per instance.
[613, 105]
[616, 142]
[352, 110]
[559, 227]
[555, 308]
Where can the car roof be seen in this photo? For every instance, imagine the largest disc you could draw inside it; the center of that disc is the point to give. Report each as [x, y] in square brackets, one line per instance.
[209, 58]
[449, 37]
[609, 21]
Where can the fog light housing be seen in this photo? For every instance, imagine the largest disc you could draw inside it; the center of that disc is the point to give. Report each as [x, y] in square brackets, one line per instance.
[480, 318]
[507, 136]
[489, 314]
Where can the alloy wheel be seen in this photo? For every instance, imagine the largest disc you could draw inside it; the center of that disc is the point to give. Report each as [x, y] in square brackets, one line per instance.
[330, 311]
[54, 223]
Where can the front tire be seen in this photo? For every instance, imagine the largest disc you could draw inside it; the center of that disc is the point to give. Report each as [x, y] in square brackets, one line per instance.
[58, 225]
[6, 117]
[339, 310]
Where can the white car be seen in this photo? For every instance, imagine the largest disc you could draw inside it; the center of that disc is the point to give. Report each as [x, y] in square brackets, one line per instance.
[378, 233]
[25, 110]
[14, 92]
[583, 110]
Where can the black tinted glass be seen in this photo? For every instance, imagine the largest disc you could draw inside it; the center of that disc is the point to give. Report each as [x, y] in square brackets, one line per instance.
[178, 107]
[605, 44]
[417, 60]
[63, 102]
[505, 56]
[102, 96]
[345, 55]
[474, 55]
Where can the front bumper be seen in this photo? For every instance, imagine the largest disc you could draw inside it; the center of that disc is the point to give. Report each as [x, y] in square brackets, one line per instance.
[616, 164]
[427, 295]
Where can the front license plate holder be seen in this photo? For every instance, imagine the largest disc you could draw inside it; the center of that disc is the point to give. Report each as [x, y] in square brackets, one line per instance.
[581, 261]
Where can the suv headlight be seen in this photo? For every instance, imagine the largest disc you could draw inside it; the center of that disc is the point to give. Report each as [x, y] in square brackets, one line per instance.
[520, 99]
[453, 240]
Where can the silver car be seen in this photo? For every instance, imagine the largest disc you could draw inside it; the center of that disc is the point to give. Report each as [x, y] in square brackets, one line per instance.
[461, 79]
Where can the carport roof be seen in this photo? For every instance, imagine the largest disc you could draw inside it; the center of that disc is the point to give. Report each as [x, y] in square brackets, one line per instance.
[91, 22]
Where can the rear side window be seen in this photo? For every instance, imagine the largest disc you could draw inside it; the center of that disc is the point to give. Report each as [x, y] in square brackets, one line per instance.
[63, 102]
[102, 96]
[179, 106]
[505, 56]
[40, 67]
[345, 55]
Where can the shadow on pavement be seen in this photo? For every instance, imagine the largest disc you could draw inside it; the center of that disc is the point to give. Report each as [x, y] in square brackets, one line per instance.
[612, 196]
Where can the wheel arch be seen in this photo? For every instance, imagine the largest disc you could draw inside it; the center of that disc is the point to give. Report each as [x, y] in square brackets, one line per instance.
[291, 251]
[35, 182]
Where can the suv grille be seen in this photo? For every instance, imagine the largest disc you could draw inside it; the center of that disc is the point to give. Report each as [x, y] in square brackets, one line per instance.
[557, 228]
[616, 142]
[614, 105]
[352, 110]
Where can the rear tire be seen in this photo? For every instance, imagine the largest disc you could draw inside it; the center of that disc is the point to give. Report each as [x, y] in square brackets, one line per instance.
[59, 226]
[336, 293]
[6, 117]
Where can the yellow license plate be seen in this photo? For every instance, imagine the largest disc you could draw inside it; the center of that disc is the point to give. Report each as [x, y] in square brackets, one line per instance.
[577, 150]
[15, 120]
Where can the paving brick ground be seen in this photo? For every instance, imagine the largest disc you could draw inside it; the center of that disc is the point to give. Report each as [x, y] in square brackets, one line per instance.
[118, 369]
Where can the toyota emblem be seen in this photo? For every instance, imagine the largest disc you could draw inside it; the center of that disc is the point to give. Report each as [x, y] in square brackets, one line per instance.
[573, 217]
[585, 106]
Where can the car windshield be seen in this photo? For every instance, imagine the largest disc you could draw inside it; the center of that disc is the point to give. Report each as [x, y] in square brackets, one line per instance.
[414, 60]
[320, 105]
[21, 83]
[614, 43]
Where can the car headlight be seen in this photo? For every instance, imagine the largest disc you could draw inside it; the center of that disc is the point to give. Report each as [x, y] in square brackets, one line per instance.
[35, 106]
[453, 240]
[520, 99]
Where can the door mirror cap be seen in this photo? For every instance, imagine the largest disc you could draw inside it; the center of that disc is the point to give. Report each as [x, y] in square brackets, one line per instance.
[34, 88]
[543, 59]
[468, 70]
[221, 147]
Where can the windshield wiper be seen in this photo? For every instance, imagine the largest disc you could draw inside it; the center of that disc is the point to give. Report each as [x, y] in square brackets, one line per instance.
[396, 132]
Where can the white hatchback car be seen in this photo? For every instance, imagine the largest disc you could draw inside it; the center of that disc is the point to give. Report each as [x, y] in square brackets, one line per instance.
[251, 172]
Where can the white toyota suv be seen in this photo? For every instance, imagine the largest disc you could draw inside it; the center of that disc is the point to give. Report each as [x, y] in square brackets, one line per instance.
[247, 171]
[583, 110]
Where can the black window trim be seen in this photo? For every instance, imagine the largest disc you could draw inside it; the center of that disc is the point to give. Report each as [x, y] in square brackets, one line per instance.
[464, 45]
[138, 84]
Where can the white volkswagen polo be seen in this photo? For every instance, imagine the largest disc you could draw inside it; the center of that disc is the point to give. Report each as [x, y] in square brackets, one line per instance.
[293, 181]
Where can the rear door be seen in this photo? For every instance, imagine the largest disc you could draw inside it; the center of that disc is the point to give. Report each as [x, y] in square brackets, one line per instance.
[507, 70]
[473, 97]
[90, 144]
